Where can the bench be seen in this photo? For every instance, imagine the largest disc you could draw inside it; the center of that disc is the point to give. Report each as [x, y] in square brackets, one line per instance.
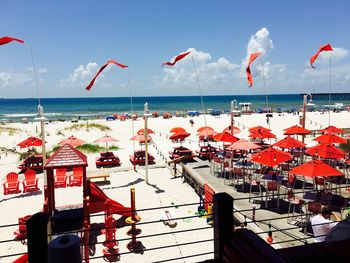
[105, 176]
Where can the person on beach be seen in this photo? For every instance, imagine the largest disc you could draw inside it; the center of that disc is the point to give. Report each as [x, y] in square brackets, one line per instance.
[191, 122]
[322, 224]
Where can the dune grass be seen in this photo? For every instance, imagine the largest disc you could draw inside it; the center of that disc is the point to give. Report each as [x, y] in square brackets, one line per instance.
[88, 126]
[10, 130]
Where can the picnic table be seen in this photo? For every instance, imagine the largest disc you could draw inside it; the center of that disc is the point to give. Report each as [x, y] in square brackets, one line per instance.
[139, 157]
[34, 162]
[107, 159]
[206, 152]
[181, 151]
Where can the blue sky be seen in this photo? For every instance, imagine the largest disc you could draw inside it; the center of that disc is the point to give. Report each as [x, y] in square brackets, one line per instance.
[72, 39]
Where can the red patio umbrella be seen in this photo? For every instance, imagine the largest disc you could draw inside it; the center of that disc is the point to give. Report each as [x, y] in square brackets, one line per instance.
[177, 130]
[30, 141]
[204, 128]
[74, 141]
[289, 143]
[106, 139]
[258, 128]
[225, 137]
[244, 145]
[142, 131]
[206, 133]
[262, 134]
[141, 138]
[326, 151]
[179, 136]
[332, 129]
[296, 130]
[315, 168]
[271, 157]
[329, 139]
[234, 129]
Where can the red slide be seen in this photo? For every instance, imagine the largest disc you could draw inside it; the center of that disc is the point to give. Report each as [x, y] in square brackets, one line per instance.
[98, 201]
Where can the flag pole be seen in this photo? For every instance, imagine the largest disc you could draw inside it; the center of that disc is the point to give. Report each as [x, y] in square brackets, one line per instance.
[329, 89]
[200, 94]
[265, 89]
[146, 115]
[131, 109]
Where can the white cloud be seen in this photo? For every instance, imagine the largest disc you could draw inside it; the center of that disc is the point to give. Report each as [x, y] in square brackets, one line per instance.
[81, 76]
[260, 42]
[38, 70]
[14, 80]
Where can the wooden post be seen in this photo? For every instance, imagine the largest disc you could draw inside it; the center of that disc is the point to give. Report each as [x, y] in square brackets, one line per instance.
[223, 223]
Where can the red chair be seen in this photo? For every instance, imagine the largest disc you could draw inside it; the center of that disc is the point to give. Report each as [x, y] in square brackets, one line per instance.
[11, 186]
[76, 179]
[30, 182]
[61, 177]
[293, 202]
[272, 187]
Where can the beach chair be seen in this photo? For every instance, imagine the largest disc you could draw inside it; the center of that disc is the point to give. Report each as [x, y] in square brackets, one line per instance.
[11, 186]
[30, 182]
[61, 177]
[76, 179]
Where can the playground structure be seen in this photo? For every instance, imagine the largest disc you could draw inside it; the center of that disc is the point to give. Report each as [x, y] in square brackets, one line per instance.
[72, 219]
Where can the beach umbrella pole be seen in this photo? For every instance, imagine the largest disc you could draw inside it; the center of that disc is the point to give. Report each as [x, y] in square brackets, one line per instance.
[146, 115]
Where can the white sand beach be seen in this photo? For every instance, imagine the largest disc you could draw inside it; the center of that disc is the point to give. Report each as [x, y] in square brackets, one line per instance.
[163, 189]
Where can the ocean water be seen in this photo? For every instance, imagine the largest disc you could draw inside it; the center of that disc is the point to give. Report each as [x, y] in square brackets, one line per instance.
[88, 108]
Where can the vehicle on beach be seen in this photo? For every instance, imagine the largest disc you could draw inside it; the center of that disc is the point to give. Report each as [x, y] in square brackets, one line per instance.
[245, 107]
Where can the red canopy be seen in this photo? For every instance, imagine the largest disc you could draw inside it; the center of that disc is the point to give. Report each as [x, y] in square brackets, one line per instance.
[204, 128]
[326, 151]
[140, 138]
[225, 137]
[244, 145]
[271, 157]
[262, 134]
[30, 141]
[106, 139]
[329, 139]
[315, 168]
[332, 129]
[234, 129]
[74, 141]
[142, 131]
[258, 128]
[296, 130]
[177, 130]
[179, 136]
[206, 133]
[289, 142]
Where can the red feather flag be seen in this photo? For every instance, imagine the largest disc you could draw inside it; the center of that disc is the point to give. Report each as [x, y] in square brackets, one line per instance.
[6, 40]
[179, 57]
[249, 74]
[322, 48]
[101, 69]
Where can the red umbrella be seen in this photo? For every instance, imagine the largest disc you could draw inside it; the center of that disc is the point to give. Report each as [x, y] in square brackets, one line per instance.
[234, 129]
[177, 130]
[180, 136]
[315, 168]
[74, 141]
[142, 131]
[206, 133]
[106, 139]
[329, 139]
[296, 130]
[262, 134]
[244, 145]
[141, 138]
[332, 129]
[271, 157]
[289, 143]
[225, 137]
[30, 141]
[326, 151]
[204, 128]
[259, 128]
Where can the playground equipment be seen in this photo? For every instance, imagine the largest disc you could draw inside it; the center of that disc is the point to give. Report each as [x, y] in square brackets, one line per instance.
[132, 220]
[110, 243]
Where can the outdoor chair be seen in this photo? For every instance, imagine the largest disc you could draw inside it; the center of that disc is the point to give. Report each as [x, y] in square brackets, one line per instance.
[293, 203]
[76, 179]
[30, 182]
[238, 175]
[61, 177]
[11, 186]
[272, 187]
[319, 183]
[255, 187]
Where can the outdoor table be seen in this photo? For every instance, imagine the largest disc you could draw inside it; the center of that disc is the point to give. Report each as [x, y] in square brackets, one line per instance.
[244, 163]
